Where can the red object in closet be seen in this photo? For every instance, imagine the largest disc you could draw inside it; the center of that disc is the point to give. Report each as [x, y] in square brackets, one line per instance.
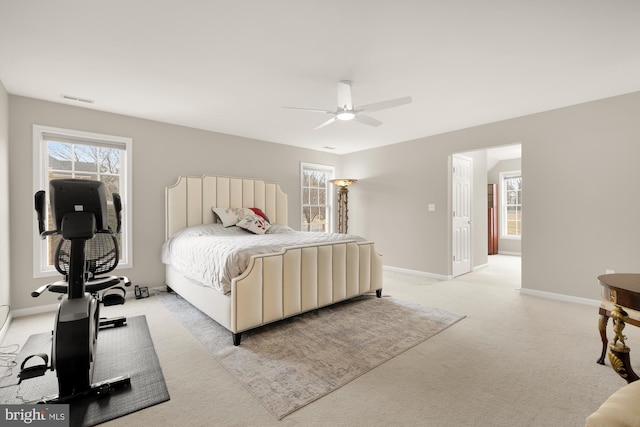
[492, 197]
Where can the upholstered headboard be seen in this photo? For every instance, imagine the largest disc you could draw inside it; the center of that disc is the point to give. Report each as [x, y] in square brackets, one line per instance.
[189, 201]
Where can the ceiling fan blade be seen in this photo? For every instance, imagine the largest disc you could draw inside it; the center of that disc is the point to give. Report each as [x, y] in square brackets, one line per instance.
[314, 110]
[376, 106]
[328, 122]
[344, 95]
[367, 120]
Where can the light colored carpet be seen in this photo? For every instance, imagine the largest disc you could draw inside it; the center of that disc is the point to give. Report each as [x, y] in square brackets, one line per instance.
[127, 350]
[514, 360]
[288, 364]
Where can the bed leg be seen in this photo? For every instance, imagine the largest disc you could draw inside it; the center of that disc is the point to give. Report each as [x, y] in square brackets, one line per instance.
[236, 338]
[379, 293]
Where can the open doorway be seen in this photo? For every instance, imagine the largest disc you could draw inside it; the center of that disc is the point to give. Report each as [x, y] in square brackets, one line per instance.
[504, 171]
[497, 166]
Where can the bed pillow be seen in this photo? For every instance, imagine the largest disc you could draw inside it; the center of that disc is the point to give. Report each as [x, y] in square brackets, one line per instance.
[255, 224]
[259, 212]
[231, 216]
[280, 228]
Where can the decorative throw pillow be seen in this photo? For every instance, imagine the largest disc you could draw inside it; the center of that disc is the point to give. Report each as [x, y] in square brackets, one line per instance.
[231, 216]
[255, 224]
[259, 212]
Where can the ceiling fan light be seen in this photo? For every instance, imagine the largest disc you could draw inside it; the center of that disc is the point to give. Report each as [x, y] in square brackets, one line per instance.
[345, 115]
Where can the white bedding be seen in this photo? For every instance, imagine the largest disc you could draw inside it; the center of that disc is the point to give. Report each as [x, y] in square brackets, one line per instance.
[212, 255]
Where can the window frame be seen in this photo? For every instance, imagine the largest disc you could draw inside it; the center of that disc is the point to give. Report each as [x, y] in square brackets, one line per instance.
[41, 182]
[503, 205]
[329, 206]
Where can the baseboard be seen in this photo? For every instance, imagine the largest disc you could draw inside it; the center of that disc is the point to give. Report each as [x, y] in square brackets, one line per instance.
[427, 274]
[51, 307]
[480, 267]
[509, 253]
[6, 325]
[22, 312]
[417, 273]
[560, 297]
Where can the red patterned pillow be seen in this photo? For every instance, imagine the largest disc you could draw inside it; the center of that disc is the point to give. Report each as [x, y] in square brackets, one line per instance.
[257, 211]
[255, 224]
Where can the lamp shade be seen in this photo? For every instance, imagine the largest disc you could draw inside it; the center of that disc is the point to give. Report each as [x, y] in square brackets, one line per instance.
[343, 182]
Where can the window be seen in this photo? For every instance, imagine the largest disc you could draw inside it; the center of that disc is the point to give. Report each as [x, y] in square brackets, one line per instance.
[511, 204]
[316, 197]
[63, 153]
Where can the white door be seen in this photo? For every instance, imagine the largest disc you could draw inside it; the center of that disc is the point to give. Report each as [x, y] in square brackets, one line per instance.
[461, 174]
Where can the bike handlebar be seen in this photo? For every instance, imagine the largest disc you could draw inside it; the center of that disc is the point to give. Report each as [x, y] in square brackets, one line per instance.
[40, 290]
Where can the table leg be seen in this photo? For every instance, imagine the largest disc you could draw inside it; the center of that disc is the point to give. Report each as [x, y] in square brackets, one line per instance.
[619, 358]
[602, 327]
[618, 349]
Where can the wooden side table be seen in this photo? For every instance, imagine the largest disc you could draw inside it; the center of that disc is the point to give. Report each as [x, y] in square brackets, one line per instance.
[620, 296]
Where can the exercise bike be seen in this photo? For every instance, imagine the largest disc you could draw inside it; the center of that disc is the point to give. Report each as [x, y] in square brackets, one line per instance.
[87, 249]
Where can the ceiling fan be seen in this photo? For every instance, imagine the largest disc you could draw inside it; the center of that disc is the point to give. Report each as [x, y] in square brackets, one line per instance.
[346, 110]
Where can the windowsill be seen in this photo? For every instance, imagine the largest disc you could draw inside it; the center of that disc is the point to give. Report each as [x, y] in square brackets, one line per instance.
[510, 237]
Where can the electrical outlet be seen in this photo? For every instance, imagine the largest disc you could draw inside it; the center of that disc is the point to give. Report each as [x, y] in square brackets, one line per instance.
[608, 271]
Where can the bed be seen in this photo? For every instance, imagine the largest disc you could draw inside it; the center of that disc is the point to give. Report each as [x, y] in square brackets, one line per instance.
[275, 284]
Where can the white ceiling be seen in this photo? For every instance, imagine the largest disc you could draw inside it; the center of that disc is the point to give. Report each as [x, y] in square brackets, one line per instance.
[231, 66]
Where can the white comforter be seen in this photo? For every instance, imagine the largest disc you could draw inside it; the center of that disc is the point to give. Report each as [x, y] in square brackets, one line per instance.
[212, 255]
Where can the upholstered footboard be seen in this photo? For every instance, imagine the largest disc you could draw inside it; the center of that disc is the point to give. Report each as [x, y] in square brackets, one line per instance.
[287, 283]
[301, 279]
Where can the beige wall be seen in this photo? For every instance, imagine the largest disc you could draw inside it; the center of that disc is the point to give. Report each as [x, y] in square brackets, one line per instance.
[5, 265]
[480, 232]
[580, 165]
[580, 196]
[161, 152]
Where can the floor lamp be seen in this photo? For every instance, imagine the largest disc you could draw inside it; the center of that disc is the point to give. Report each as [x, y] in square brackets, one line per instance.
[343, 202]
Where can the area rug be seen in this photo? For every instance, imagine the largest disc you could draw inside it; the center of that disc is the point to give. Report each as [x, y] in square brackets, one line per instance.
[289, 364]
[120, 351]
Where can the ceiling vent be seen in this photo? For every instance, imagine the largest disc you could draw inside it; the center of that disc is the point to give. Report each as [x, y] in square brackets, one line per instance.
[75, 98]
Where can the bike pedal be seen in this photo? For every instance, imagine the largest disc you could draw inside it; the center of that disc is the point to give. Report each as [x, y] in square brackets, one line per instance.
[33, 371]
[113, 296]
[114, 321]
[112, 299]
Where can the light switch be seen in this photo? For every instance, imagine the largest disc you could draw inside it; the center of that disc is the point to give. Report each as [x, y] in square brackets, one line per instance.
[432, 207]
